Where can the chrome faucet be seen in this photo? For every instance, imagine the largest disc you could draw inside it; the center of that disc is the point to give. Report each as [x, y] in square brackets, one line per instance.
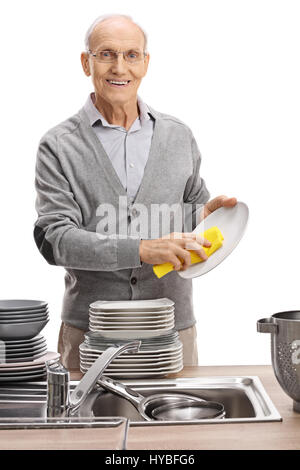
[60, 402]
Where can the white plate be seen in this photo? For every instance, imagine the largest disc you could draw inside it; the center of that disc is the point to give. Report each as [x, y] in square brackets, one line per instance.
[168, 337]
[132, 305]
[108, 370]
[141, 365]
[165, 327]
[148, 353]
[158, 367]
[132, 314]
[41, 360]
[232, 223]
[138, 365]
[133, 326]
[136, 319]
[141, 357]
[92, 336]
[147, 343]
[143, 374]
[129, 334]
[144, 349]
[152, 342]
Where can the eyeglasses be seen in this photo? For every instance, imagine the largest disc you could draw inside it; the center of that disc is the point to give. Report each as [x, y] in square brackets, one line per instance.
[130, 56]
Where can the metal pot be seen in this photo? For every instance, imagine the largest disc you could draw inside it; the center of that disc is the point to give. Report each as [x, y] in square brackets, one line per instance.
[285, 350]
[165, 406]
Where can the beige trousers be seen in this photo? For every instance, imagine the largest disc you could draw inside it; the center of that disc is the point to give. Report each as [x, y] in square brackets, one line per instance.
[70, 338]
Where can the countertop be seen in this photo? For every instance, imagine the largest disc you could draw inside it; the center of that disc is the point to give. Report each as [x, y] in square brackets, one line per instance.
[272, 435]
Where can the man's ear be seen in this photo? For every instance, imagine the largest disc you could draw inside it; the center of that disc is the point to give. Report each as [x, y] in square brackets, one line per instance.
[85, 63]
[147, 58]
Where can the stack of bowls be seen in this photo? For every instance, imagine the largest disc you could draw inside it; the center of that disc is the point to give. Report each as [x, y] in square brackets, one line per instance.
[23, 351]
[22, 319]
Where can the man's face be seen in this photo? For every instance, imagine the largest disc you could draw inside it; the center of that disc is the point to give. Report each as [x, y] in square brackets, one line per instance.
[116, 35]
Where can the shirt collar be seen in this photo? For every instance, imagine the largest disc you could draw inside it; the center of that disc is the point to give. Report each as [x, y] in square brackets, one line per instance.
[94, 114]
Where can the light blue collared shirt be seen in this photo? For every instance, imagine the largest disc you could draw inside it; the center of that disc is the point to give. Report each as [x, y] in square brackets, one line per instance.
[128, 150]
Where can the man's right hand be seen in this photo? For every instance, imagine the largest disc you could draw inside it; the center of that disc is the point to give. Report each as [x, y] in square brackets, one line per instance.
[170, 248]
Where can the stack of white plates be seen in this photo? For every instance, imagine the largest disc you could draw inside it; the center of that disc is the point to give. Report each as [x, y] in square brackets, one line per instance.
[31, 370]
[22, 319]
[132, 318]
[157, 357]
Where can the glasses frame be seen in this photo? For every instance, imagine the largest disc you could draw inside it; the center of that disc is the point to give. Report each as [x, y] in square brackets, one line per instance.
[93, 54]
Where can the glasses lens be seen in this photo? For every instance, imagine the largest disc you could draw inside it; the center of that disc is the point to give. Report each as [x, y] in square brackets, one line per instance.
[106, 56]
[133, 56]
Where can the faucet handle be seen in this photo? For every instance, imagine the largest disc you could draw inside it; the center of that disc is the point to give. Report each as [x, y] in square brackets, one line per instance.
[56, 372]
[90, 378]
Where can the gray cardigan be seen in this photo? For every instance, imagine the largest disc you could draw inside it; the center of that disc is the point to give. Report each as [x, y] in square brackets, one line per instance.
[75, 177]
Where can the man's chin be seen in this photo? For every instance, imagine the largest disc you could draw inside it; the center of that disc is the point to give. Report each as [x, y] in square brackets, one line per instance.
[115, 98]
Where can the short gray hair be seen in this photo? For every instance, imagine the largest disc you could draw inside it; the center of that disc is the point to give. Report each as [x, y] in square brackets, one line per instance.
[105, 17]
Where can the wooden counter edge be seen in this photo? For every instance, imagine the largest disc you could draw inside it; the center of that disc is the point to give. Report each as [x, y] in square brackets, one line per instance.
[273, 435]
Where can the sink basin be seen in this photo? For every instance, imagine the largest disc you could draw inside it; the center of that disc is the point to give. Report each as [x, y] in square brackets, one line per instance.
[244, 399]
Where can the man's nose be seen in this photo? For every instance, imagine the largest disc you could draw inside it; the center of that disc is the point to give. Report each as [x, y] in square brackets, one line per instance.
[119, 65]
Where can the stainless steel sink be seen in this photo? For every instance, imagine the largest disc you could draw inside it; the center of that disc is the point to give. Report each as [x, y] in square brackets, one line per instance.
[244, 398]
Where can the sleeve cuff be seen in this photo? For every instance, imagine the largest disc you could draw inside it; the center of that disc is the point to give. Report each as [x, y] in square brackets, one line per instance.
[129, 253]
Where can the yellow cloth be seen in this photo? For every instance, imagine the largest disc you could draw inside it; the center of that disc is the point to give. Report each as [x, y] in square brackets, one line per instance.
[212, 234]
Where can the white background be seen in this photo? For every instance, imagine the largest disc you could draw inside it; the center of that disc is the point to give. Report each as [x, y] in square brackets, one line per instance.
[228, 69]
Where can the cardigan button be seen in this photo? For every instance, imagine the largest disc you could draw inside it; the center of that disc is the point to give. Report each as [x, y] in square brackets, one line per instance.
[133, 280]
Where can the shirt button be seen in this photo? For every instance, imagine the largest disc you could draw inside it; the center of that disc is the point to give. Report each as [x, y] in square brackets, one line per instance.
[133, 280]
[134, 211]
[131, 165]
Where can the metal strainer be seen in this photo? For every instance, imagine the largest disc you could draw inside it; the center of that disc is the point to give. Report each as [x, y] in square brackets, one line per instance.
[285, 350]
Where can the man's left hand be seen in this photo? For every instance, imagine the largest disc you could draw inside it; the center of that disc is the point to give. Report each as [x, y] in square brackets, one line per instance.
[216, 203]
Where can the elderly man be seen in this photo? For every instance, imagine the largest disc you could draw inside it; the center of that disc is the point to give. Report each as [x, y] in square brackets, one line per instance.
[117, 147]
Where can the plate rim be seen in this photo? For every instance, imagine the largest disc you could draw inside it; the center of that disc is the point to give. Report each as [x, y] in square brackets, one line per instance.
[184, 275]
